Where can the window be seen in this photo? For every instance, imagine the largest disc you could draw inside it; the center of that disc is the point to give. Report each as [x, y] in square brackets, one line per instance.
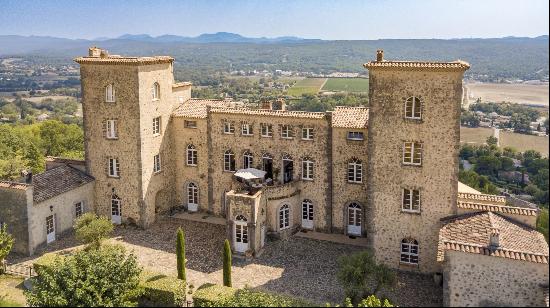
[288, 168]
[413, 108]
[284, 217]
[286, 132]
[190, 124]
[112, 131]
[191, 155]
[228, 128]
[192, 194]
[156, 163]
[228, 161]
[307, 169]
[411, 200]
[155, 91]
[247, 160]
[79, 208]
[267, 130]
[355, 171]
[409, 251]
[110, 93]
[156, 126]
[412, 153]
[50, 228]
[307, 133]
[355, 135]
[114, 167]
[116, 206]
[246, 129]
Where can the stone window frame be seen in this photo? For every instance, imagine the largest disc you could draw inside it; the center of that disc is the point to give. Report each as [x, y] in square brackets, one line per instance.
[110, 95]
[228, 127]
[266, 130]
[246, 129]
[410, 208]
[157, 126]
[415, 155]
[355, 171]
[157, 163]
[354, 136]
[155, 91]
[287, 131]
[407, 256]
[229, 161]
[284, 217]
[305, 215]
[190, 124]
[412, 106]
[113, 167]
[192, 155]
[309, 170]
[248, 159]
[309, 133]
[346, 210]
[111, 129]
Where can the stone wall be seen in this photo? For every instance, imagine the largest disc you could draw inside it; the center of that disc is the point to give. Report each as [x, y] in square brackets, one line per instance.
[13, 212]
[484, 281]
[436, 179]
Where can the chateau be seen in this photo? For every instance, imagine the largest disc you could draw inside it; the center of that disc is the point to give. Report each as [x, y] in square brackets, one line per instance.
[387, 173]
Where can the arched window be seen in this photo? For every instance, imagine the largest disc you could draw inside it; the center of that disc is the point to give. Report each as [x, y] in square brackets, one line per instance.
[191, 155]
[307, 168]
[155, 91]
[228, 161]
[110, 93]
[409, 251]
[192, 194]
[284, 217]
[247, 159]
[240, 218]
[355, 171]
[413, 108]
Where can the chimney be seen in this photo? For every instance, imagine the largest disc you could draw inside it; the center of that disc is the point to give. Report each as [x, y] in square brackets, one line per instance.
[27, 175]
[280, 104]
[94, 52]
[104, 53]
[266, 104]
[379, 55]
[494, 241]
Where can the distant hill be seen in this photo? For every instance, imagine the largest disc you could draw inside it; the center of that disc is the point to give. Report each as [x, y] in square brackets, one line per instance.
[491, 59]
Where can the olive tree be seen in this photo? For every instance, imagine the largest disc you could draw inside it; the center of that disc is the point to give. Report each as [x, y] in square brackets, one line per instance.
[92, 230]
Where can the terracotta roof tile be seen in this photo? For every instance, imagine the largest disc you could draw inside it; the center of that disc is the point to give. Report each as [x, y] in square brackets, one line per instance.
[471, 232]
[125, 60]
[196, 108]
[181, 84]
[56, 181]
[493, 199]
[13, 185]
[350, 117]
[266, 112]
[497, 208]
[418, 65]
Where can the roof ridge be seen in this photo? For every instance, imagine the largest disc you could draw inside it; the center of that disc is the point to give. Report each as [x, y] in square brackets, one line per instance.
[496, 249]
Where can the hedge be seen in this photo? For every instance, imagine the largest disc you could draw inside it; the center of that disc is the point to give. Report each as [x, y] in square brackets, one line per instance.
[163, 290]
[210, 295]
[46, 260]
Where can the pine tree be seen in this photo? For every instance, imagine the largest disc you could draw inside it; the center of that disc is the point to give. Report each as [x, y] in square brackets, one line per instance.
[180, 254]
[226, 264]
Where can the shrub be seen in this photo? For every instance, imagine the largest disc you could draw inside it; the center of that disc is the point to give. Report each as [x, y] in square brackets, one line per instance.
[210, 295]
[92, 230]
[104, 277]
[180, 254]
[163, 290]
[6, 243]
[45, 261]
[371, 301]
[226, 264]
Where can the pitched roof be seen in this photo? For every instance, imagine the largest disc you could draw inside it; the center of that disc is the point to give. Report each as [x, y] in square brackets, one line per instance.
[13, 185]
[482, 198]
[196, 108]
[471, 233]
[124, 60]
[58, 180]
[418, 65]
[497, 208]
[350, 117]
[267, 112]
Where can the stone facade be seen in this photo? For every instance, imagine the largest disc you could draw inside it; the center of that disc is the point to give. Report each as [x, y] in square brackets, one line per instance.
[15, 201]
[473, 280]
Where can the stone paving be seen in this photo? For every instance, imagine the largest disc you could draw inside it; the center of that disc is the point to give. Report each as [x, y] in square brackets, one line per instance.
[299, 267]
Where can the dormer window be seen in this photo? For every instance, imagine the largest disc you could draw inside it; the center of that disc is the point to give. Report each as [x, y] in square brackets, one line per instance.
[155, 91]
[110, 93]
[413, 108]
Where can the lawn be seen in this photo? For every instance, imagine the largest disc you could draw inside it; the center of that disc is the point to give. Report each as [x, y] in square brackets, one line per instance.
[307, 86]
[11, 291]
[347, 84]
[520, 142]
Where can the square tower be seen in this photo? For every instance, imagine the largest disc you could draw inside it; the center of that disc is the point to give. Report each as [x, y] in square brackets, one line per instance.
[413, 144]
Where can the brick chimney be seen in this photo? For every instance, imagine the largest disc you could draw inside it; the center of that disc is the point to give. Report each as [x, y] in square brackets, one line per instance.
[494, 241]
[280, 104]
[379, 55]
[94, 52]
[267, 105]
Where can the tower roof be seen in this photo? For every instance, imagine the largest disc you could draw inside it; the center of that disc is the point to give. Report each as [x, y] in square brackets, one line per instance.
[380, 63]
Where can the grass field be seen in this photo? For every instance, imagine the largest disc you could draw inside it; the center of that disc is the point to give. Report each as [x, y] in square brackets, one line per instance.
[307, 86]
[11, 291]
[347, 84]
[515, 92]
[520, 142]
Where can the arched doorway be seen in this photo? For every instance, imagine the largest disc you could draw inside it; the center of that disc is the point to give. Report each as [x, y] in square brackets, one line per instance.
[354, 219]
[241, 234]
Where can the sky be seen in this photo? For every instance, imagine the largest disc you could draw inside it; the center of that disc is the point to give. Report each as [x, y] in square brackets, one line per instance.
[336, 19]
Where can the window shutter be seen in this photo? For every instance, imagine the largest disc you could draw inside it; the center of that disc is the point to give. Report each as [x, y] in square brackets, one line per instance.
[104, 127]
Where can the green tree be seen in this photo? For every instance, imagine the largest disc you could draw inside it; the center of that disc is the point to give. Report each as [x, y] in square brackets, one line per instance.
[542, 223]
[92, 230]
[35, 159]
[492, 140]
[6, 243]
[180, 254]
[226, 264]
[11, 168]
[105, 277]
[361, 276]
[51, 133]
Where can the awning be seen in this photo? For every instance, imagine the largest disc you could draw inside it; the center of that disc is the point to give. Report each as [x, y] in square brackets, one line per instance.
[250, 174]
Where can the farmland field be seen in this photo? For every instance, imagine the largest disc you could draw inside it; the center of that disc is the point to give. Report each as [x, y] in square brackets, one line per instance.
[532, 94]
[520, 142]
[307, 86]
[347, 84]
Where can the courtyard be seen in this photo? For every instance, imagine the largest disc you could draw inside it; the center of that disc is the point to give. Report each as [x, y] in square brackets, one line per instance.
[300, 267]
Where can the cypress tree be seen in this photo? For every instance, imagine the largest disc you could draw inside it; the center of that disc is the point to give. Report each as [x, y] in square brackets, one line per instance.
[226, 264]
[180, 254]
